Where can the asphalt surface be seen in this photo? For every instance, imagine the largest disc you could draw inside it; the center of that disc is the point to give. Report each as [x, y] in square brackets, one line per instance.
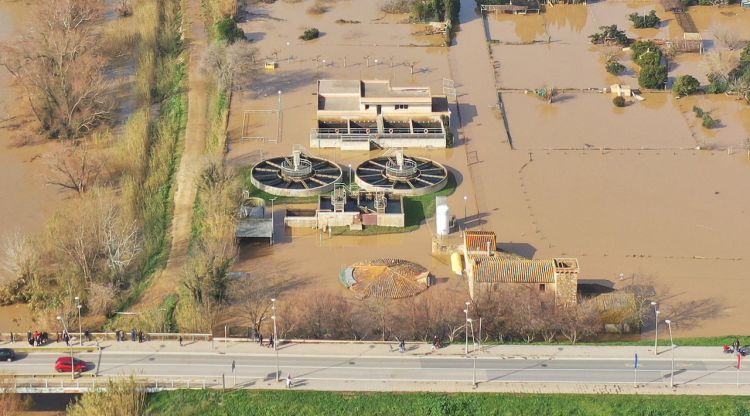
[311, 370]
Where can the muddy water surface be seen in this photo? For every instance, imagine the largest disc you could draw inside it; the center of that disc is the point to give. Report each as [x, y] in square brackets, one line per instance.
[26, 200]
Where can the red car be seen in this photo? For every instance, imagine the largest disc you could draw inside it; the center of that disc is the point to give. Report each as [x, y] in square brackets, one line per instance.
[62, 365]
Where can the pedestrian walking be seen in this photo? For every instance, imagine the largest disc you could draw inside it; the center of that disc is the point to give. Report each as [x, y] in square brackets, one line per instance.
[132, 335]
[434, 343]
[66, 337]
[289, 381]
[180, 339]
[12, 338]
[270, 342]
[140, 337]
[260, 339]
[402, 346]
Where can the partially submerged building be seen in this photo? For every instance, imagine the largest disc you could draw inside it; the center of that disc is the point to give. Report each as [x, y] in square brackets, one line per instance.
[385, 279]
[488, 269]
[366, 114]
[355, 210]
[254, 221]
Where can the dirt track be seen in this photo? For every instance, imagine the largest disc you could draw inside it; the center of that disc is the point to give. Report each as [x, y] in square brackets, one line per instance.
[190, 163]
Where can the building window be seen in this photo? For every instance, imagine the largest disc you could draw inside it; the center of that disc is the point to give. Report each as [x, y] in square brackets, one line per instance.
[367, 106]
[402, 106]
[542, 287]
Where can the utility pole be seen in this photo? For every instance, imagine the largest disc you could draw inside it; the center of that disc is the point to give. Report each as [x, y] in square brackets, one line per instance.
[656, 328]
[275, 337]
[80, 331]
[72, 362]
[671, 342]
[466, 329]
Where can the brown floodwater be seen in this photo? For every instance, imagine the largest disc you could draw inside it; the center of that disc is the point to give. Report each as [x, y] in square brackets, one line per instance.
[27, 201]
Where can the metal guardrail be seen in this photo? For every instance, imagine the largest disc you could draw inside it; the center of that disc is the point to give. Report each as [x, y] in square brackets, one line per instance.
[20, 337]
[386, 131]
[324, 136]
[50, 384]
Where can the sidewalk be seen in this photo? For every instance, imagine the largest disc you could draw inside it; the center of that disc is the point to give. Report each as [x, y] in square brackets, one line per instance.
[421, 350]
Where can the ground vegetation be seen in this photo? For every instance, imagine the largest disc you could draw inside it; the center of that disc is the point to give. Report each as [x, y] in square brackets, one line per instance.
[209, 402]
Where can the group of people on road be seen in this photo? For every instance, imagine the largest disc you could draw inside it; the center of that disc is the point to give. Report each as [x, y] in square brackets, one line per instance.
[259, 339]
[134, 336]
[36, 338]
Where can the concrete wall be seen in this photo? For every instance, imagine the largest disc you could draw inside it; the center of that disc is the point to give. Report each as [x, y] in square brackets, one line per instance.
[567, 288]
[335, 219]
[391, 220]
[301, 222]
[418, 143]
[402, 141]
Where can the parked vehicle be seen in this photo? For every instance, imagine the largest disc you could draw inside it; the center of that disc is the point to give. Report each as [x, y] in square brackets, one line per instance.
[63, 365]
[7, 354]
[744, 351]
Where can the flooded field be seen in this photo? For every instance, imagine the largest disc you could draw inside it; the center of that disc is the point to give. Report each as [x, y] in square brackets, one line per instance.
[589, 120]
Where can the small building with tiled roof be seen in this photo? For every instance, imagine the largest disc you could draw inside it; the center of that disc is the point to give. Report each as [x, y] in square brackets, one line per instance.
[385, 279]
[491, 270]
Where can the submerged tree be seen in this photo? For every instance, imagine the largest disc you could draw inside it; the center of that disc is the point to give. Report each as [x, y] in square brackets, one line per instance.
[610, 34]
[59, 65]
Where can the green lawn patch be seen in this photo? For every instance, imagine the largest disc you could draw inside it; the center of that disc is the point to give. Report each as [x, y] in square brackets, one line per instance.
[416, 208]
[303, 403]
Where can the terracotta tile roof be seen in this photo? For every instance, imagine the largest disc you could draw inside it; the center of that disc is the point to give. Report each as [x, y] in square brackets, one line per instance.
[477, 240]
[501, 269]
[388, 279]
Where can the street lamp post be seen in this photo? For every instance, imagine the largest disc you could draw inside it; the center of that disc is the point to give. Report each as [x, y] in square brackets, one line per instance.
[275, 336]
[671, 341]
[466, 198]
[72, 366]
[80, 332]
[466, 328]
[656, 328]
[80, 328]
[278, 119]
[350, 177]
[272, 219]
[289, 52]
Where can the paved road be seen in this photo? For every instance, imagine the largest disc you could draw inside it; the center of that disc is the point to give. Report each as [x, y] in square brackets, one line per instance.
[317, 371]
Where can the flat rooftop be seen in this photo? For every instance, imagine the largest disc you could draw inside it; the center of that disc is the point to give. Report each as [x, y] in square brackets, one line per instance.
[338, 103]
[369, 89]
[383, 89]
[339, 86]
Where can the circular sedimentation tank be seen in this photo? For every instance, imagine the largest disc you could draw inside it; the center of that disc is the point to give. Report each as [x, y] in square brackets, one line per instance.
[401, 175]
[297, 175]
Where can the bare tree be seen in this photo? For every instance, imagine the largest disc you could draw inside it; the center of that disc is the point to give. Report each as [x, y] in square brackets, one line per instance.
[19, 256]
[727, 38]
[59, 66]
[93, 241]
[73, 169]
[233, 64]
[580, 321]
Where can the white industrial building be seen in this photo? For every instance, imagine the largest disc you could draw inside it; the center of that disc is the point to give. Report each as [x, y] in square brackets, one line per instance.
[362, 114]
